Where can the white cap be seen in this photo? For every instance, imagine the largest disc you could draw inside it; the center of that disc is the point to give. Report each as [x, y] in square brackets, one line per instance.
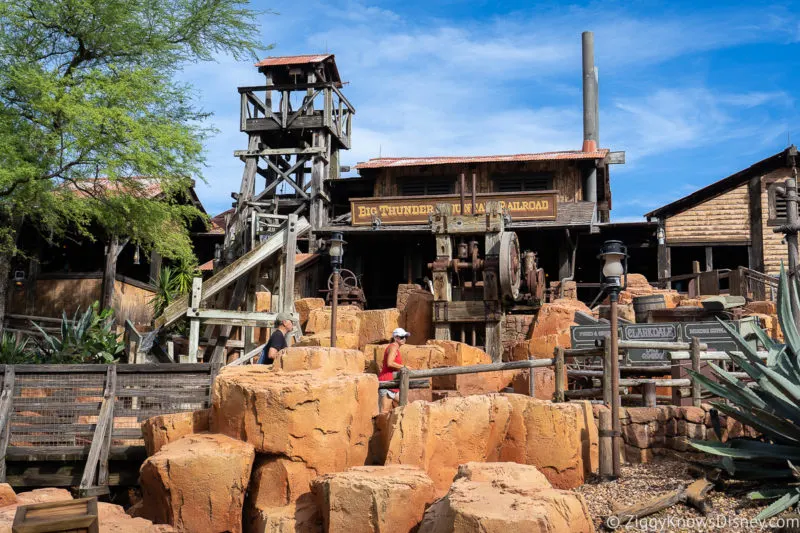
[400, 332]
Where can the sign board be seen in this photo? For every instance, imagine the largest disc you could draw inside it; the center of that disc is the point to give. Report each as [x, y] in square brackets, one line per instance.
[417, 209]
[711, 333]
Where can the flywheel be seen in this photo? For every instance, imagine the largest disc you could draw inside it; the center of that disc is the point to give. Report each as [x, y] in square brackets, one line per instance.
[510, 265]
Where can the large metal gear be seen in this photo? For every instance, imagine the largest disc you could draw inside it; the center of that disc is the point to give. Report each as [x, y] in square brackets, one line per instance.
[510, 265]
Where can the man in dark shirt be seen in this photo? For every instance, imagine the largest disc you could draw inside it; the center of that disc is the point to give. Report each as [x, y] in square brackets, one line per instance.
[277, 341]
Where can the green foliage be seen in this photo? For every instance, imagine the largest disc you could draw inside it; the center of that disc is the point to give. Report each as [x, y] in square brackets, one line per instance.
[88, 338]
[172, 283]
[13, 352]
[88, 90]
[771, 406]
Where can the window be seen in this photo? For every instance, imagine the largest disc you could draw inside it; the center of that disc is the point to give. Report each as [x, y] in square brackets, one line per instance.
[426, 186]
[777, 205]
[541, 181]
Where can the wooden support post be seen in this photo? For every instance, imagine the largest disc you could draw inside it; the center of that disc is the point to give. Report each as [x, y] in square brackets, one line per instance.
[709, 258]
[100, 440]
[649, 394]
[531, 380]
[606, 449]
[607, 395]
[194, 323]
[290, 250]
[560, 375]
[756, 249]
[404, 386]
[6, 410]
[695, 354]
[442, 289]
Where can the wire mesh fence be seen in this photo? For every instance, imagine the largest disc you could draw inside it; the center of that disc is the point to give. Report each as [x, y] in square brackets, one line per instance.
[59, 409]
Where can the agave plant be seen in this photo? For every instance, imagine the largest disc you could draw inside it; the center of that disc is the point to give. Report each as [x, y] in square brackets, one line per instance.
[13, 351]
[88, 338]
[770, 405]
[171, 283]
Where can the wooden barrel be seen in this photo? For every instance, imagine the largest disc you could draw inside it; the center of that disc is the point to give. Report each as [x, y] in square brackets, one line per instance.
[643, 304]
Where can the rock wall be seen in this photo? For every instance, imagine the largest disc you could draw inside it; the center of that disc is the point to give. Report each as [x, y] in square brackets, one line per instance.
[651, 431]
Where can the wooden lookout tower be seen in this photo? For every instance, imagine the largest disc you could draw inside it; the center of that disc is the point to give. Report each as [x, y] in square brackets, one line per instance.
[296, 123]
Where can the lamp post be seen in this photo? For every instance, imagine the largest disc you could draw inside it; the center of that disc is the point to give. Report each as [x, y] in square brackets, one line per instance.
[336, 251]
[614, 279]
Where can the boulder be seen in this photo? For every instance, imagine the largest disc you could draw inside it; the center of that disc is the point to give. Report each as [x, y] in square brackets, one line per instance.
[556, 317]
[7, 512]
[461, 354]
[163, 429]
[113, 519]
[374, 499]
[304, 306]
[300, 517]
[319, 320]
[417, 316]
[762, 308]
[197, 483]
[403, 290]
[323, 420]
[7, 495]
[508, 472]
[377, 326]
[544, 380]
[328, 360]
[277, 481]
[414, 357]
[553, 437]
[506, 499]
[346, 341]
[439, 436]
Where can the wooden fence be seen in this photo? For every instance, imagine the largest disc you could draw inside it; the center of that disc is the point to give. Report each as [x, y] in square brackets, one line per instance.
[55, 417]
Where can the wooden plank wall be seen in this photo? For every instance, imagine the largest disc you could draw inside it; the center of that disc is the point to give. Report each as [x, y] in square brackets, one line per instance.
[567, 176]
[724, 218]
[774, 250]
[52, 296]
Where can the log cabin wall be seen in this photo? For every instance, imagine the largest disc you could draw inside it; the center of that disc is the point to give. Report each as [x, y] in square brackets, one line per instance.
[775, 249]
[722, 219]
[566, 176]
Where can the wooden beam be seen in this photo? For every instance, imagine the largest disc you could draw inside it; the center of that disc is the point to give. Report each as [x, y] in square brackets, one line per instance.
[278, 151]
[6, 410]
[194, 324]
[756, 252]
[105, 422]
[232, 272]
[237, 318]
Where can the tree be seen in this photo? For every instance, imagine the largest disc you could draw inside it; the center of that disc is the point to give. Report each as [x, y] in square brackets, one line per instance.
[88, 89]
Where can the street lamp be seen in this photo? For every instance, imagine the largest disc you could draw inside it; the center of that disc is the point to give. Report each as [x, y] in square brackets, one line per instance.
[336, 251]
[614, 279]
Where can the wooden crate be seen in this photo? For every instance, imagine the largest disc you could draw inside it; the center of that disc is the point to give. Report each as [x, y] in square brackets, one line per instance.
[69, 516]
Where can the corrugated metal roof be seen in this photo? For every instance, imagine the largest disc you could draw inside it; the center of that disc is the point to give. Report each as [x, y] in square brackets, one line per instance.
[389, 162]
[293, 60]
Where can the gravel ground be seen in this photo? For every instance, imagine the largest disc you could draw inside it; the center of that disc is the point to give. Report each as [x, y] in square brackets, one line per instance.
[730, 509]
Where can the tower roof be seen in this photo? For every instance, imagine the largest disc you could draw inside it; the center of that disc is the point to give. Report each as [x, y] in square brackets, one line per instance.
[327, 60]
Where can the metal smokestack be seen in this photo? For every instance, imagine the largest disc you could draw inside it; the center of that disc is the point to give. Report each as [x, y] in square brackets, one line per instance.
[590, 115]
[589, 94]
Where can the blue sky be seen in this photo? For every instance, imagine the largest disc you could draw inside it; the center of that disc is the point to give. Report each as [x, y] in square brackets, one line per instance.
[692, 91]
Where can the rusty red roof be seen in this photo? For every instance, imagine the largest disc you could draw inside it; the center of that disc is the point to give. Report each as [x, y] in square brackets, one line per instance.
[387, 162]
[293, 60]
[208, 266]
[137, 185]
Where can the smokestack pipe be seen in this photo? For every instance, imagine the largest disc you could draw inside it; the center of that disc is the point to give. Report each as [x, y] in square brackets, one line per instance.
[590, 115]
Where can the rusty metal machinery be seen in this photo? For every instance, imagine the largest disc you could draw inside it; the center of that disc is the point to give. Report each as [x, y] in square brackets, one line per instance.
[474, 286]
[350, 291]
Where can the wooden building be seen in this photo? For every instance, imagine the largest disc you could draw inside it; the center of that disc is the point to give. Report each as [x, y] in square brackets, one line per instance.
[729, 223]
[67, 275]
[384, 213]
